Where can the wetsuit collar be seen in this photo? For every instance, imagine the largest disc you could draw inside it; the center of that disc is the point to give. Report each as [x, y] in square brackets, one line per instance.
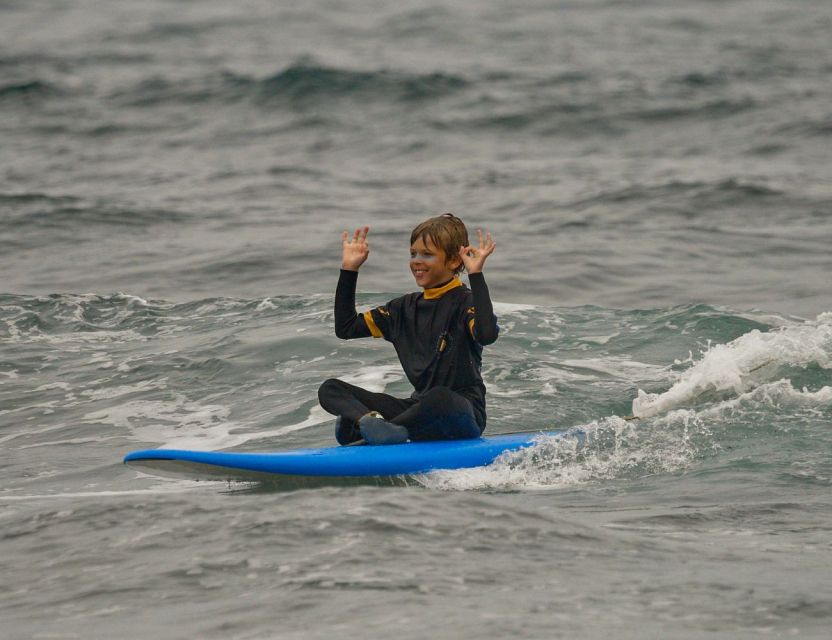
[438, 292]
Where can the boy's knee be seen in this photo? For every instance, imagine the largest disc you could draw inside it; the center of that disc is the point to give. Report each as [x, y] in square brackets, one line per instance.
[438, 394]
[328, 386]
[441, 400]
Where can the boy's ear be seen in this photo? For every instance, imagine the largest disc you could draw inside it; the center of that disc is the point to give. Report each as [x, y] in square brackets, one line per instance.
[455, 262]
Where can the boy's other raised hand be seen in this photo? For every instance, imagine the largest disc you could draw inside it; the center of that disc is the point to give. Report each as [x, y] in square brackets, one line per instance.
[474, 257]
[355, 249]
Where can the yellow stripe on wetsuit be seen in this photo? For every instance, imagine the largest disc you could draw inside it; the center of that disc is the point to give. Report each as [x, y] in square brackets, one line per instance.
[371, 325]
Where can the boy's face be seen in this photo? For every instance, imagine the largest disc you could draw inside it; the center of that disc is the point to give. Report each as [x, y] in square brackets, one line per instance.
[429, 264]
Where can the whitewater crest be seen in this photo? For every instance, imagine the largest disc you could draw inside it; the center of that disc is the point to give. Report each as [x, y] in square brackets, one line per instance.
[752, 360]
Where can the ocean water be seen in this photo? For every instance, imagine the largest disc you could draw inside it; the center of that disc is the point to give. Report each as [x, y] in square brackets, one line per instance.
[174, 178]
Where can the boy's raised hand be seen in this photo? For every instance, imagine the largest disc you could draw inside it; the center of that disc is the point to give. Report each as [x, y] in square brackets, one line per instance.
[355, 249]
[474, 257]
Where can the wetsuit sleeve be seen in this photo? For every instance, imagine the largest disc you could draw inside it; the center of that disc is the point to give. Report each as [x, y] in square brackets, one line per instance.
[348, 323]
[482, 323]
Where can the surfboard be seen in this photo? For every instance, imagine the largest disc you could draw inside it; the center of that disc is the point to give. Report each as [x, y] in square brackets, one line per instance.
[381, 464]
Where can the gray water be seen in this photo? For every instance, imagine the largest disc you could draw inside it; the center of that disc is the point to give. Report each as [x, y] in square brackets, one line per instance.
[174, 178]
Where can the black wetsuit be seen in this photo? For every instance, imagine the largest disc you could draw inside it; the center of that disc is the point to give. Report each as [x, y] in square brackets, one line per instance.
[438, 335]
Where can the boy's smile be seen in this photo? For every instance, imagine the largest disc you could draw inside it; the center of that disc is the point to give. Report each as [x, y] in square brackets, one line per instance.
[429, 264]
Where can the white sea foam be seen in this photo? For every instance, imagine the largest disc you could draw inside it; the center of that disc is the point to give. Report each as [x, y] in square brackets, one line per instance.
[744, 363]
[184, 424]
[552, 373]
[65, 386]
[265, 305]
[602, 340]
[29, 432]
[511, 307]
[123, 390]
[179, 423]
[375, 378]
[589, 453]
[617, 367]
[780, 394]
[132, 300]
[77, 338]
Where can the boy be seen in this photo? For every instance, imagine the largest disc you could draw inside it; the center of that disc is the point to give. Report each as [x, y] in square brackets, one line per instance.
[438, 335]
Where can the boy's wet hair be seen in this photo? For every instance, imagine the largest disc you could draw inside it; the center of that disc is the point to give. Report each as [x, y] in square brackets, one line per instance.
[446, 232]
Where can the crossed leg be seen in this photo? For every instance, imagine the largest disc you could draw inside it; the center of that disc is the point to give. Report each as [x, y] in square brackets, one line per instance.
[440, 414]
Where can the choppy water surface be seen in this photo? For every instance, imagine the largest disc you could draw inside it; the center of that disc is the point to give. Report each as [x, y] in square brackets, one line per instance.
[174, 178]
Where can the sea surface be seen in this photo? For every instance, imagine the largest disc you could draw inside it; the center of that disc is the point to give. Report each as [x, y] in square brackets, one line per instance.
[174, 179]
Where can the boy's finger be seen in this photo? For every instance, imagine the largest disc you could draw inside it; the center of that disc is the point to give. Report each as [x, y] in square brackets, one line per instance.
[344, 236]
[356, 236]
[479, 233]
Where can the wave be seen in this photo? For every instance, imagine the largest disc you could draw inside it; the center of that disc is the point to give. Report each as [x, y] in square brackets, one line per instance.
[721, 192]
[561, 118]
[160, 34]
[15, 199]
[593, 115]
[808, 128]
[702, 79]
[311, 82]
[36, 212]
[742, 364]
[754, 205]
[29, 91]
[302, 82]
[157, 90]
[708, 110]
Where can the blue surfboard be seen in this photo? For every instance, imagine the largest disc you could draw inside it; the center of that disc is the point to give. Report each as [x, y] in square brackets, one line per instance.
[337, 465]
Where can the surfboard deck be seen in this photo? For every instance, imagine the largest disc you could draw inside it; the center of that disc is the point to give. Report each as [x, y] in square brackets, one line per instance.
[380, 463]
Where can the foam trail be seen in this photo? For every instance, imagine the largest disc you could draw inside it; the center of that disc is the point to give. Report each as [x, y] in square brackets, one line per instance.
[596, 451]
[743, 363]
